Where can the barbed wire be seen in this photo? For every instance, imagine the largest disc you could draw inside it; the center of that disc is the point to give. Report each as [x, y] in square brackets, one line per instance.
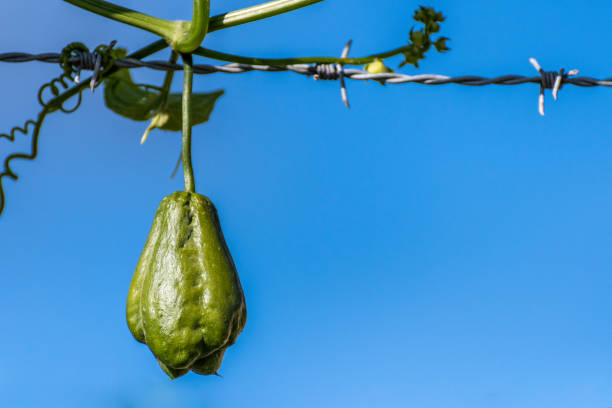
[546, 79]
[76, 57]
[312, 70]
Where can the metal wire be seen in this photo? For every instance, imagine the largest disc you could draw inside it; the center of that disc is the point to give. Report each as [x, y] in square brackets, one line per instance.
[82, 59]
[330, 71]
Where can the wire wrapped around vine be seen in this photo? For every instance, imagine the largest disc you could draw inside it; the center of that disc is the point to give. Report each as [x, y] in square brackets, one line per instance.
[76, 57]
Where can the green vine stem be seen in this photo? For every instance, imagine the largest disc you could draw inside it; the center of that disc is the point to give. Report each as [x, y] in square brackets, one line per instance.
[184, 36]
[420, 42]
[258, 12]
[149, 49]
[187, 87]
[127, 16]
[195, 30]
[168, 81]
[280, 62]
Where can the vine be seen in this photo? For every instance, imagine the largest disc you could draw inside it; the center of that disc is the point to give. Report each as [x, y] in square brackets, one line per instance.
[54, 104]
[185, 300]
[166, 111]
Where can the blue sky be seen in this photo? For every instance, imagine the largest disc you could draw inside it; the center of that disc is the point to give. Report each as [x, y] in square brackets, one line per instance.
[431, 247]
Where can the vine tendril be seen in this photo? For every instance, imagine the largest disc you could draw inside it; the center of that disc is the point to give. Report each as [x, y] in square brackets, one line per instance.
[23, 130]
[8, 172]
[54, 87]
[61, 92]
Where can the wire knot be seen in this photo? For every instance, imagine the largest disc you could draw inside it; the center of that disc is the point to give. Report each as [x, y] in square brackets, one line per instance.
[333, 72]
[550, 80]
[76, 57]
[84, 60]
[329, 72]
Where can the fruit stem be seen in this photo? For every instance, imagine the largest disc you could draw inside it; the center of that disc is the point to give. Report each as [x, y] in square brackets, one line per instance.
[187, 87]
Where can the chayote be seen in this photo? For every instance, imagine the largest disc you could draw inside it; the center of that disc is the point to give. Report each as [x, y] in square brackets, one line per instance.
[185, 300]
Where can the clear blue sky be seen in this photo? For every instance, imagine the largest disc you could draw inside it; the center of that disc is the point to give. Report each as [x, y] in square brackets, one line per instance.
[432, 247]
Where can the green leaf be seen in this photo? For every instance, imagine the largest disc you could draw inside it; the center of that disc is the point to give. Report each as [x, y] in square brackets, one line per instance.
[420, 40]
[142, 102]
[202, 105]
[128, 99]
[170, 118]
[413, 55]
[430, 18]
[440, 44]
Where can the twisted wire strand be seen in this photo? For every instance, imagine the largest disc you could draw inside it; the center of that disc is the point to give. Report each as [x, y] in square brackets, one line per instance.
[84, 60]
[330, 72]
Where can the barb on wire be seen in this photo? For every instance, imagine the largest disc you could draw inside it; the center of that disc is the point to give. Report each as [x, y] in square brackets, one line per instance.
[333, 72]
[343, 93]
[550, 80]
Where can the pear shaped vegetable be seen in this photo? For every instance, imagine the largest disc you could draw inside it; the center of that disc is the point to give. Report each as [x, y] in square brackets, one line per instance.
[185, 300]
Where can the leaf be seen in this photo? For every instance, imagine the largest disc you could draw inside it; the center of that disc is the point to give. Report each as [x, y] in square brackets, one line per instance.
[143, 102]
[420, 40]
[413, 55]
[440, 44]
[128, 99]
[202, 105]
[170, 118]
[430, 18]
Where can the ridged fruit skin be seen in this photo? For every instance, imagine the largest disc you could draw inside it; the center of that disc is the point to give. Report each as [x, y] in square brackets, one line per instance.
[185, 300]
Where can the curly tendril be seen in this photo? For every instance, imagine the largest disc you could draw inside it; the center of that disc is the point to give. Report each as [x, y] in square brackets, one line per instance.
[8, 172]
[23, 130]
[54, 87]
[74, 57]
[61, 92]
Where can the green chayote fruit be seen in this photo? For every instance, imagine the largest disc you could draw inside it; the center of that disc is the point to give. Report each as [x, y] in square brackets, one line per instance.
[185, 300]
